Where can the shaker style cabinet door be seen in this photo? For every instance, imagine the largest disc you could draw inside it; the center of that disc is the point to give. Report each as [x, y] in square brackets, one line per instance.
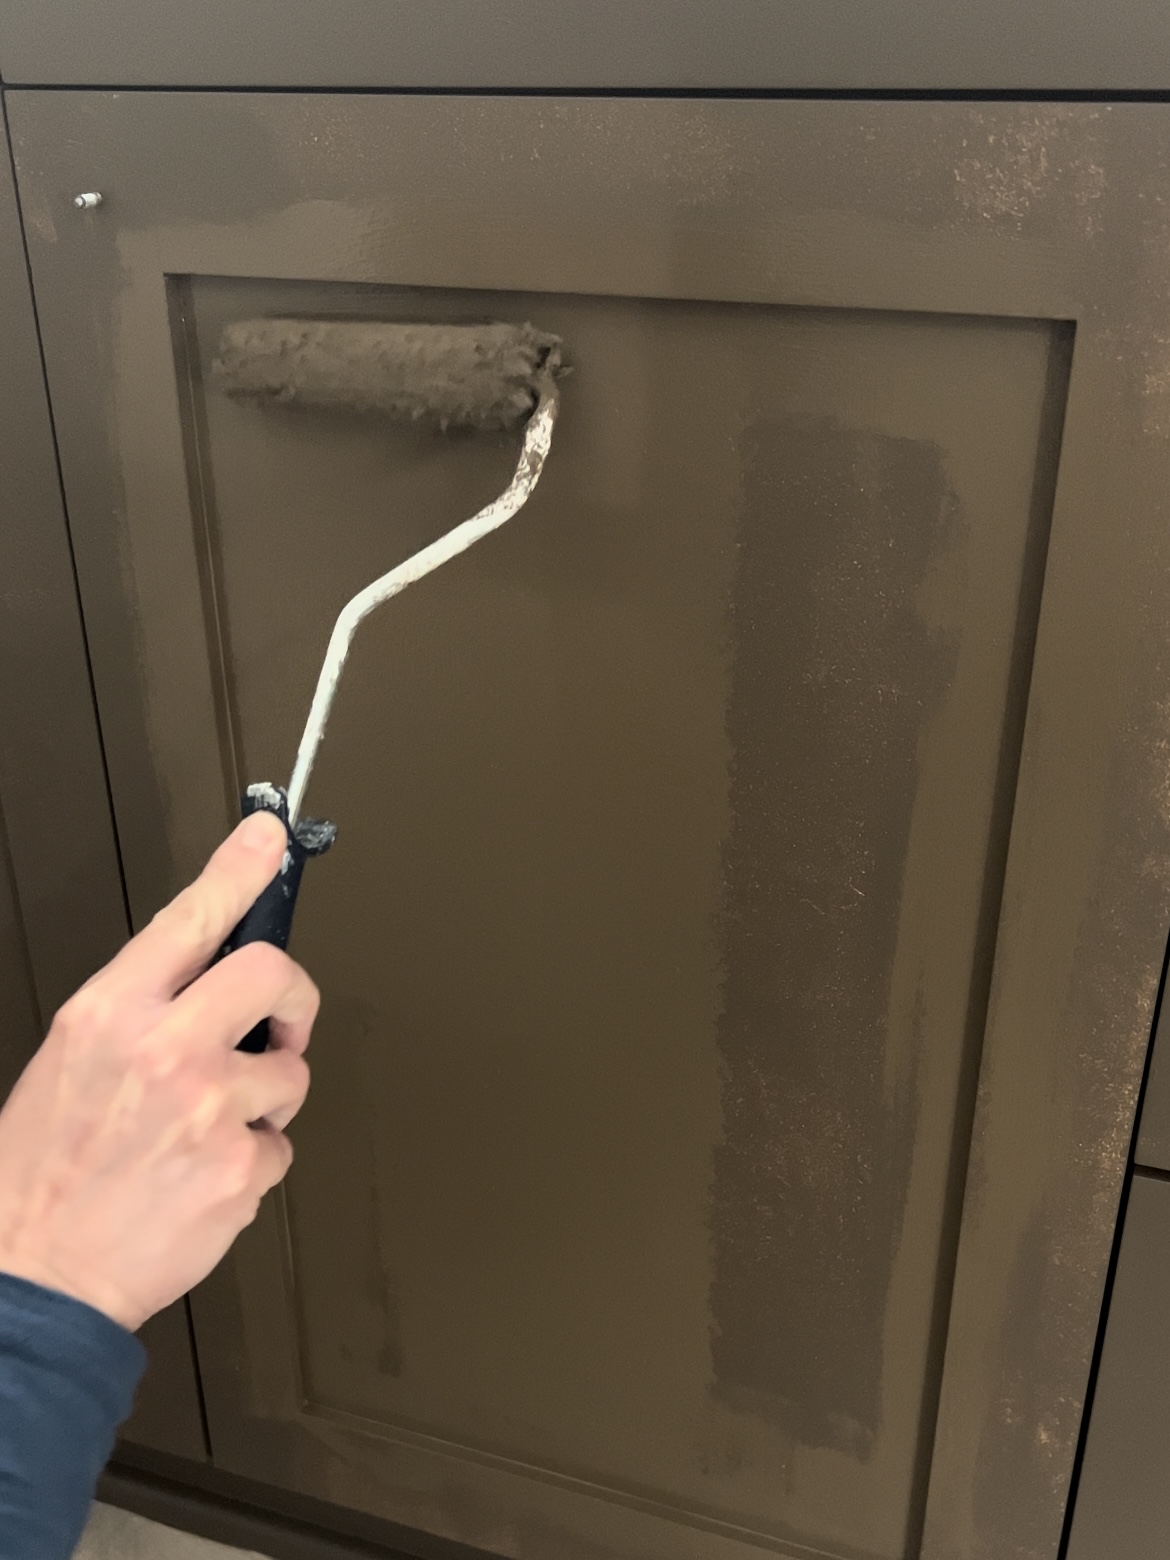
[59, 858]
[739, 948]
[62, 909]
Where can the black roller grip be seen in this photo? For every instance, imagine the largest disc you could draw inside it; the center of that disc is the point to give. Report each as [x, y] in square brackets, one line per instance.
[270, 918]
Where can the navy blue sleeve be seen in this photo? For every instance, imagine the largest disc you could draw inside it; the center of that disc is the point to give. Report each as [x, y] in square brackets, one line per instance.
[67, 1380]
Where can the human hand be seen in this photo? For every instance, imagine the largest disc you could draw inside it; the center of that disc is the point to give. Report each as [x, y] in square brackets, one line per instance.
[127, 1165]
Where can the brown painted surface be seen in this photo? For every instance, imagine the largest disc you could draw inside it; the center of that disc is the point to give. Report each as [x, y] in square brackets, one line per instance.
[167, 1413]
[679, 45]
[628, 1195]
[22, 1029]
[18, 986]
[1123, 1498]
[1153, 1140]
[52, 783]
[536, 1208]
[58, 849]
[837, 674]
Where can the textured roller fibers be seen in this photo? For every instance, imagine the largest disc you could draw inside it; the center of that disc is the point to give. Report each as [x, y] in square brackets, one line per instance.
[458, 376]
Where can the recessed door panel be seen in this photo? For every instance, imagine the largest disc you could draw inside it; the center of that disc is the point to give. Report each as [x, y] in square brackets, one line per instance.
[648, 951]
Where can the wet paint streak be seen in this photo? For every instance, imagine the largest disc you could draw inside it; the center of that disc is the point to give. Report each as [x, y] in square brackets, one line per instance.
[382, 1285]
[841, 527]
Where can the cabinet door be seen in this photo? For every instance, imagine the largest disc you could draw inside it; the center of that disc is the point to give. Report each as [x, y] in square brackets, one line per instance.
[61, 846]
[19, 1002]
[62, 911]
[753, 861]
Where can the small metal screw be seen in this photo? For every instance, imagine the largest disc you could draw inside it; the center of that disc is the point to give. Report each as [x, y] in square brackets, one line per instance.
[87, 201]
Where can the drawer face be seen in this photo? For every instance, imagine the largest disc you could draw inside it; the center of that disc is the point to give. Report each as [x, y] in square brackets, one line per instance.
[696, 868]
[1123, 1499]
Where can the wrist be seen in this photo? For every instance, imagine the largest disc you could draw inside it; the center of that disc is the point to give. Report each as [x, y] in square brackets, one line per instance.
[37, 1270]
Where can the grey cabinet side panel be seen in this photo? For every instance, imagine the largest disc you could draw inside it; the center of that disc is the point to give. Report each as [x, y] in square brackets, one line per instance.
[1123, 1504]
[52, 781]
[1050, 45]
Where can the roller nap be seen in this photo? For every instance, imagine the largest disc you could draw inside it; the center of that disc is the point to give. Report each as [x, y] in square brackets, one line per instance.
[456, 376]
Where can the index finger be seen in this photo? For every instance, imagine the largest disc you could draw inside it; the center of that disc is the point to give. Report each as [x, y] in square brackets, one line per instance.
[182, 938]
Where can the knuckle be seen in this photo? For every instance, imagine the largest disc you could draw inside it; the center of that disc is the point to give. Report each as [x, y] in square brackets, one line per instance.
[193, 918]
[87, 1014]
[296, 1079]
[201, 1101]
[281, 1158]
[237, 1169]
[312, 996]
[263, 962]
[157, 1058]
[301, 1076]
[249, 1211]
[186, 1085]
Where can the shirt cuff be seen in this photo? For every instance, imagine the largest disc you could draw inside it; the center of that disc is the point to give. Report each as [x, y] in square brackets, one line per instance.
[68, 1374]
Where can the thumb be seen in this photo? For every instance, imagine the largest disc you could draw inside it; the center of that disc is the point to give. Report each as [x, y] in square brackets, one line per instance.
[184, 935]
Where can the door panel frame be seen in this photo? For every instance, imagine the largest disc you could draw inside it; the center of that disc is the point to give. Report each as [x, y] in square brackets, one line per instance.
[52, 777]
[1036, 211]
[58, 827]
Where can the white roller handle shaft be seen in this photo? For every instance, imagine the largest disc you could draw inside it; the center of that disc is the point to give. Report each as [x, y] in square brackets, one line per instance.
[537, 438]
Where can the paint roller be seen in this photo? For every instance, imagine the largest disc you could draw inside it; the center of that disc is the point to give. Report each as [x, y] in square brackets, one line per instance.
[478, 377]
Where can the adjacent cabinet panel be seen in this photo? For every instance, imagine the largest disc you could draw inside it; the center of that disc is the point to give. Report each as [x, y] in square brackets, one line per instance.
[1153, 1143]
[771, 807]
[1123, 1499]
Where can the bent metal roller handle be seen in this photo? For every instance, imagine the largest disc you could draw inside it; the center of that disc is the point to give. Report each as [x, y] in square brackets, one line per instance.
[456, 376]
